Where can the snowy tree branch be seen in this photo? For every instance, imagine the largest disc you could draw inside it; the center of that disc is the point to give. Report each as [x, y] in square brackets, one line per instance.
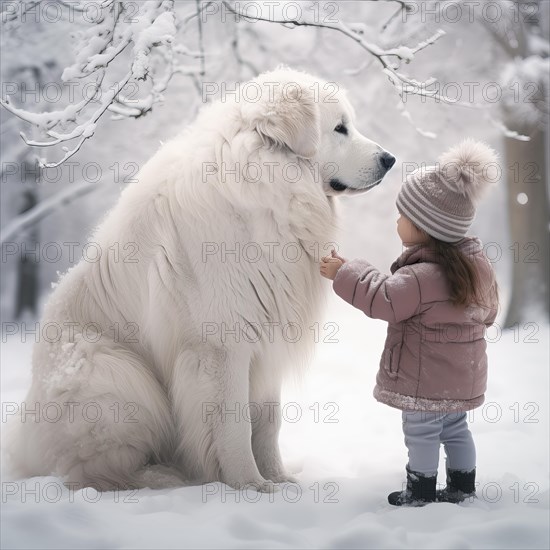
[355, 31]
[100, 46]
[45, 208]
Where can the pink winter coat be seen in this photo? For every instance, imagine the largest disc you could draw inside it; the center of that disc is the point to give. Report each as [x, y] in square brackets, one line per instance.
[434, 357]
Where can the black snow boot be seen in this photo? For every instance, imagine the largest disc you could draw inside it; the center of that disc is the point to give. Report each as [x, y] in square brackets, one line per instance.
[461, 485]
[420, 490]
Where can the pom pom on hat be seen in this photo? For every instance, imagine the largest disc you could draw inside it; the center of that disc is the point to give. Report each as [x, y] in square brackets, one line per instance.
[469, 168]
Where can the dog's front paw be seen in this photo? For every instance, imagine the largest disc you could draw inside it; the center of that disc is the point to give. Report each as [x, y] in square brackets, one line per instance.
[283, 478]
[261, 485]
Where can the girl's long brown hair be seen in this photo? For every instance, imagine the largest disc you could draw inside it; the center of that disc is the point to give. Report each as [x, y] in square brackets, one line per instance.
[460, 272]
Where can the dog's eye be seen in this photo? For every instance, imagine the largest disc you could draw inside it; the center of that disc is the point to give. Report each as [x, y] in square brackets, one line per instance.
[341, 129]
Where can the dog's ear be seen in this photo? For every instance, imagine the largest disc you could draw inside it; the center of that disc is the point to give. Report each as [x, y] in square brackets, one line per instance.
[286, 115]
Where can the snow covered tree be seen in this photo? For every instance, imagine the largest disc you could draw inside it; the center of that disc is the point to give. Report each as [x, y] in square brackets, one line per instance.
[25, 77]
[524, 37]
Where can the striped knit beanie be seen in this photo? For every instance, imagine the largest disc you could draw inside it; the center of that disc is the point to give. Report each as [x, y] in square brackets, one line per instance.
[442, 199]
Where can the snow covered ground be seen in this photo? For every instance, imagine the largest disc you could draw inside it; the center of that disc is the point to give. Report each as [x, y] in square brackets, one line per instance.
[348, 453]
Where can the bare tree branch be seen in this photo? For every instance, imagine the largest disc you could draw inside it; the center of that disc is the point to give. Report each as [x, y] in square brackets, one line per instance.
[9, 17]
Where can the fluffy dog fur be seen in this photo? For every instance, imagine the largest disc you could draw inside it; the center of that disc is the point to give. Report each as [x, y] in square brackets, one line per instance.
[164, 370]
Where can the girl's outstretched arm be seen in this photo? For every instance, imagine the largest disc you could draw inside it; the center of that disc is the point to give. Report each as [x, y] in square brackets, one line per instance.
[390, 298]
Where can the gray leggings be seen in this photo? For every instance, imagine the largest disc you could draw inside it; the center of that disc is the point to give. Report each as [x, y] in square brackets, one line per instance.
[425, 431]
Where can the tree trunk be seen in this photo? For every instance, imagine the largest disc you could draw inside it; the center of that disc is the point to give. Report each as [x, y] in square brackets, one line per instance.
[27, 280]
[527, 175]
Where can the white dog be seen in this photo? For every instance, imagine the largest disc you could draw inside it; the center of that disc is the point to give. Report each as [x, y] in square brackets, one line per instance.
[163, 360]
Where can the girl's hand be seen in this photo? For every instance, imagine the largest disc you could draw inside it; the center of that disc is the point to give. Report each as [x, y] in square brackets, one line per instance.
[335, 255]
[330, 265]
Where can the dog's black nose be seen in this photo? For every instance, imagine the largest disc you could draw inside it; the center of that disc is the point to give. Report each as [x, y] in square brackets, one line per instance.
[387, 160]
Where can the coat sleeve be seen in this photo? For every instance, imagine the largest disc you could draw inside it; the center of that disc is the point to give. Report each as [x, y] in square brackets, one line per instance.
[390, 298]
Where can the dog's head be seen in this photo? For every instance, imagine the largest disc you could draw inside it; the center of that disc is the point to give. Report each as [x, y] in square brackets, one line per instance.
[314, 120]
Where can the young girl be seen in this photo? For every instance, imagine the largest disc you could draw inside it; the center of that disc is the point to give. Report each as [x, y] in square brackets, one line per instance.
[440, 298]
